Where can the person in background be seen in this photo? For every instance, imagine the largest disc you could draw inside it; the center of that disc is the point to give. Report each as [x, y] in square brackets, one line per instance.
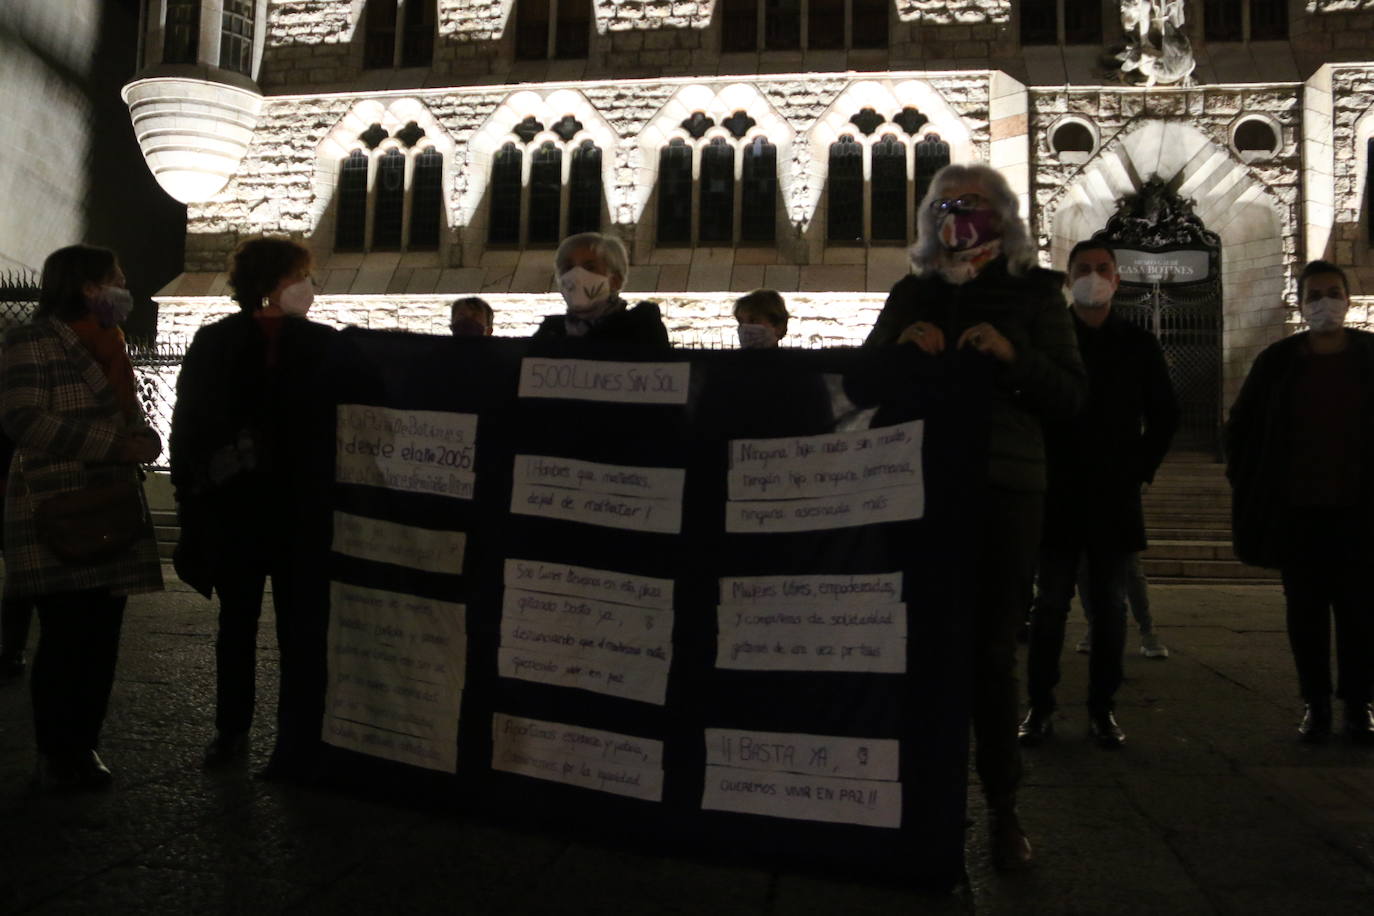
[471, 316]
[975, 287]
[762, 318]
[1098, 463]
[1137, 599]
[1300, 458]
[591, 269]
[246, 412]
[69, 402]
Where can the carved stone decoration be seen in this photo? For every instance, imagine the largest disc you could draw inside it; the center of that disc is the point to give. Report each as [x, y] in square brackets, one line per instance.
[567, 127]
[374, 136]
[1156, 217]
[410, 134]
[867, 120]
[910, 120]
[527, 129]
[697, 125]
[738, 124]
[1157, 52]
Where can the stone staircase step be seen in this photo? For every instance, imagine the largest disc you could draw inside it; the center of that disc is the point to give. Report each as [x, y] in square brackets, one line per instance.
[1230, 570]
[1156, 533]
[1178, 549]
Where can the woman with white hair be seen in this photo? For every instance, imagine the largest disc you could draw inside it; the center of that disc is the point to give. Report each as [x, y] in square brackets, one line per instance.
[975, 289]
[591, 269]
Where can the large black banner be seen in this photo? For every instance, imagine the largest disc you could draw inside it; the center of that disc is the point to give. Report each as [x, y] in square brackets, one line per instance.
[687, 597]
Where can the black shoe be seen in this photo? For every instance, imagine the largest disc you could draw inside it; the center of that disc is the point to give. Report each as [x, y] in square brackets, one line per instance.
[1104, 730]
[1037, 726]
[1316, 722]
[1007, 842]
[227, 748]
[1359, 723]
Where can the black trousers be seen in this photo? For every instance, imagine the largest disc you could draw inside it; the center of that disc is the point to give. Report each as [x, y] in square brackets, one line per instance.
[300, 600]
[74, 667]
[1107, 570]
[1006, 570]
[1327, 576]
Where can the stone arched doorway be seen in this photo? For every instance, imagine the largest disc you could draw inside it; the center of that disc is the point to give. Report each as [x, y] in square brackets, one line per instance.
[1253, 225]
[1170, 268]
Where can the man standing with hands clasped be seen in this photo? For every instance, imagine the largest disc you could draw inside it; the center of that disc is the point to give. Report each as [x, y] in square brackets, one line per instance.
[1098, 463]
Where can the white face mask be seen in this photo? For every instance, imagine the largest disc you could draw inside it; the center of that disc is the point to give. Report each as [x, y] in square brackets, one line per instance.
[1325, 314]
[757, 337]
[1092, 291]
[587, 294]
[297, 298]
[112, 305]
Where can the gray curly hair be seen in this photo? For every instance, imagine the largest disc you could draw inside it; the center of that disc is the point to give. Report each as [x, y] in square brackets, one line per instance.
[1016, 244]
[606, 247]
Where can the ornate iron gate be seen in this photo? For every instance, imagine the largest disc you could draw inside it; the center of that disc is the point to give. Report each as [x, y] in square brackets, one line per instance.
[1186, 318]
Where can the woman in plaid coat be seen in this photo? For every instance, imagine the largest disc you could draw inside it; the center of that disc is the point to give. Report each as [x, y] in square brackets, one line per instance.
[69, 402]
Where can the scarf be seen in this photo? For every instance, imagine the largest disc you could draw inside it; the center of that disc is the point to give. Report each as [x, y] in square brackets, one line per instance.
[106, 346]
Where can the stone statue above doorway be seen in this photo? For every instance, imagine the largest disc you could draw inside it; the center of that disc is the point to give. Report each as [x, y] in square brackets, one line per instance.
[1157, 51]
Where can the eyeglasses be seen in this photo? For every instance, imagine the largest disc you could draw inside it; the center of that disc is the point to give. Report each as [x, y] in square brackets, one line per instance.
[960, 204]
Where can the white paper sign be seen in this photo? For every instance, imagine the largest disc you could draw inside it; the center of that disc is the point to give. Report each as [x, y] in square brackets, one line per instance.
[577, 756]
[610, 674]
[569, 473]
[867, 639]
[786, 591]
[868, 803]
[609, 510]
[871, 507]
[584, 582]
[415, 451]
[599, 380]
[815, 755]
[828, 465]
[396, 672]
[591, 618]
[404, 545]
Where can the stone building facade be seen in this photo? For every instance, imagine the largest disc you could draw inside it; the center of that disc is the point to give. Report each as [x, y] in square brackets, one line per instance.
[263, 111]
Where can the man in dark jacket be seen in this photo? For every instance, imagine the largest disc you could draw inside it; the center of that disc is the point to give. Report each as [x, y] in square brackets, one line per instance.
[1097, 464]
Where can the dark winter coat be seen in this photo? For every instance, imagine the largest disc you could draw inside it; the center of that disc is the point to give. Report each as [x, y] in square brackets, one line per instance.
[1046, 381]
[1099, 459]
[1257, 441]
[226, 395]
[641, 324]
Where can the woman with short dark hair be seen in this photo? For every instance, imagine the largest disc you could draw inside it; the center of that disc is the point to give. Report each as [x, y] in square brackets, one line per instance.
[69, 401]
[1299, 454]
[243, 415]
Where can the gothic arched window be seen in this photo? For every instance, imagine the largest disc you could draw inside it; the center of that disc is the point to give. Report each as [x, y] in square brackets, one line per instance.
[888, 191]
[584, 189]
[675, 192]
[350, 224]
[181, 34]
[758, 222]
[426, 199]
[932, 154]
[845, 222]
[546, 187]
[391, 197]
[717, 192]
[236, 36]
[506, 166]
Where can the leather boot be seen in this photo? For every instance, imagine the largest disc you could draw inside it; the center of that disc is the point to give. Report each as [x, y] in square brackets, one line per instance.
[1037, 726]
[1104, 730]
[1316, 722]
[1359, 723]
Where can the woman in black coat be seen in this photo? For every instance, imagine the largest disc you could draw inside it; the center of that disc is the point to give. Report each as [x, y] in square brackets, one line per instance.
[591, 270]
[1300, 458]
[247, 488]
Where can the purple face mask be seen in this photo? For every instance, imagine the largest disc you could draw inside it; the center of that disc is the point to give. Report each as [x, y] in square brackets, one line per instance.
[961, 230]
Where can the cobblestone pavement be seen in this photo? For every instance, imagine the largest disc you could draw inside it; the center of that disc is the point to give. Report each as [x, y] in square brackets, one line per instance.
[1212, 807]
